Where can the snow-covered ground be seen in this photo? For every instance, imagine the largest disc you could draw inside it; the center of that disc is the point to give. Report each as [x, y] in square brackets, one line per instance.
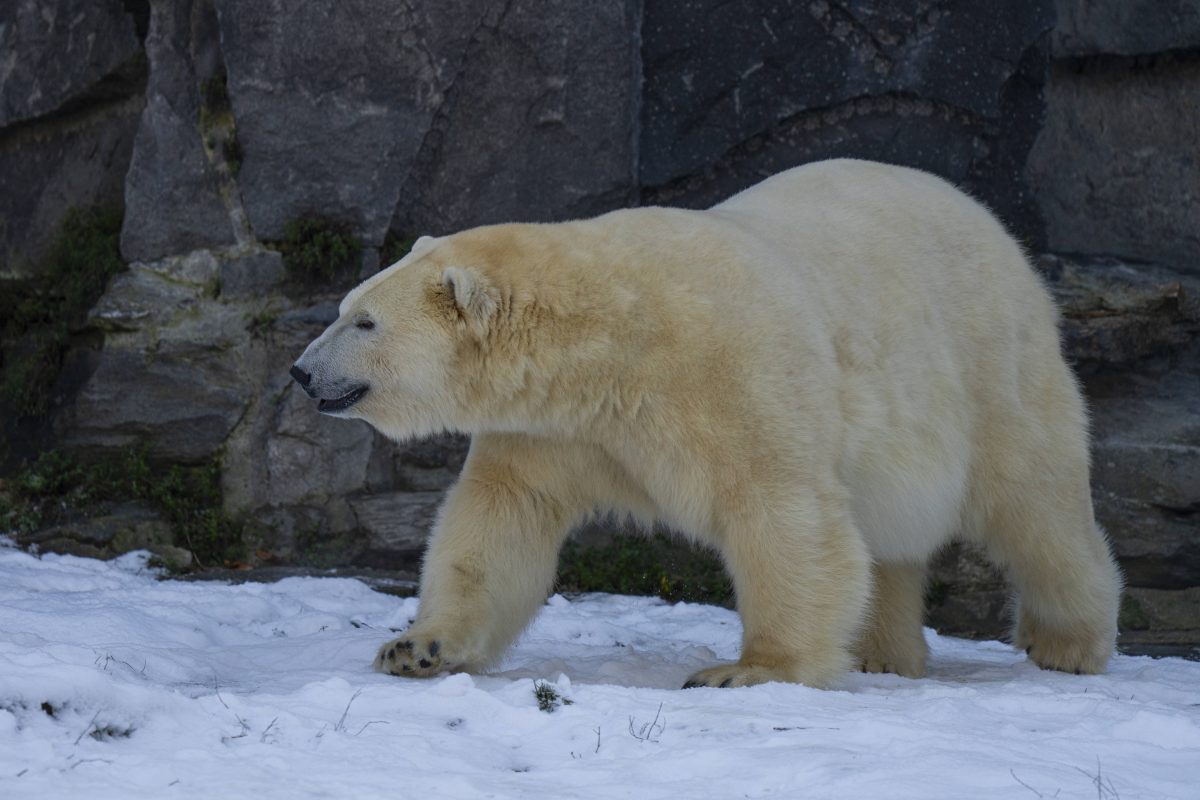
[116, 684]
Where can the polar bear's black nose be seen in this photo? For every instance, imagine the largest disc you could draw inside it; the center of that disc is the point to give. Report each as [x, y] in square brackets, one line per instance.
[302, 377]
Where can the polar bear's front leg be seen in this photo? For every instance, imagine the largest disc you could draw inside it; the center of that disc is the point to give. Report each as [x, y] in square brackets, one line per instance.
[491, 559]
[802, 581]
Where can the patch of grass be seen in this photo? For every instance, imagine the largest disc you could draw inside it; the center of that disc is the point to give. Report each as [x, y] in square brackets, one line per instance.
[37, 315]
[646, 565]
[232, 149]
[188, 497]
[1132, 616]
[936, 593]
[548, 698]
[318, 250]
[106, 733]
[395, 247]
[217, 123]
[258, 323]
[322, 550]
[214, 99]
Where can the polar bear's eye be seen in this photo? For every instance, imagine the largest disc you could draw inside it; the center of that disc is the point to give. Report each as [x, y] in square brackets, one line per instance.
[364, 324]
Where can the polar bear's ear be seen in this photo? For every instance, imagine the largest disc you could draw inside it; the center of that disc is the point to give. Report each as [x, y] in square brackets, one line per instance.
[473, 294]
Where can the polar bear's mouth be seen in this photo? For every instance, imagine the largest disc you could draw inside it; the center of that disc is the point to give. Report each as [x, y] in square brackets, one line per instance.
[342, 403]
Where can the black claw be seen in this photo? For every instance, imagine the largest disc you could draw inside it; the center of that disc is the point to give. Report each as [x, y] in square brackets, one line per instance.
[407, 645]
[692, 685]
[725, 684]
[434, 647]
[1077, 672]
[391, 654]
[425, 663]
[406, 667]
[1029, 650]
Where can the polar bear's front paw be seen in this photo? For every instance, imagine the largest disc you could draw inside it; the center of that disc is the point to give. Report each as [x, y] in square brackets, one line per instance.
[726, 676]
[417, 656]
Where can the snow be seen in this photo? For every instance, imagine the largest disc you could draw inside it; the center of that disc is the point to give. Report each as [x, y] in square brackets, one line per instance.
[169, 689]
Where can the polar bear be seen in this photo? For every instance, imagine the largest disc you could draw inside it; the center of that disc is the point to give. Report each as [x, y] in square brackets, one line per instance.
[825, 378]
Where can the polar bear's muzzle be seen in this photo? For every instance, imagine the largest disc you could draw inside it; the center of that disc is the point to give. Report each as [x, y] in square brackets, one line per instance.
[342, 402]
[338, 399]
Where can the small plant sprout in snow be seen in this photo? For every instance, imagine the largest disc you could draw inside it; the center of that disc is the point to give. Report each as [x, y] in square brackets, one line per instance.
[549, 698]
[649, 731]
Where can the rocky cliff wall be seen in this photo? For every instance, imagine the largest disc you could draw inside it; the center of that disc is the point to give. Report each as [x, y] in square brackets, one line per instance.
[217, 124]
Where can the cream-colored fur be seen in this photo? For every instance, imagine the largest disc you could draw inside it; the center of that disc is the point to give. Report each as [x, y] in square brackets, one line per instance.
[825, 377]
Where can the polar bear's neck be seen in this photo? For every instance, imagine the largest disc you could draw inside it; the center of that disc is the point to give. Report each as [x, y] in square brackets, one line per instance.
[600, 318]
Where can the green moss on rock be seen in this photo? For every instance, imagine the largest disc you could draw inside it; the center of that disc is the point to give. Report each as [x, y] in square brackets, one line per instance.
[188, 497]
[318, 250]
[37, 315]
[646, 565]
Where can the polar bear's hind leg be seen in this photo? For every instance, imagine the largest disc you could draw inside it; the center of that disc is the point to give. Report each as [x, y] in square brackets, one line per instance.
[1038, 525]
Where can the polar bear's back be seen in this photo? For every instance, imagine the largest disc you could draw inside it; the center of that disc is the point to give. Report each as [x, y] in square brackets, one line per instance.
[897, 254]
[882, 216]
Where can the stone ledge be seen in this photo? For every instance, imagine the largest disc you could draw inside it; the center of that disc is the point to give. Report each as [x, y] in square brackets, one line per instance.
[1117, 311]
[397, 526]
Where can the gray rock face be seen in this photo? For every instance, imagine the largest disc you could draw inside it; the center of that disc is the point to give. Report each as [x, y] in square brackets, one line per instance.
[181, 403]
[148, 296]
[431, 464]
[314, 457]
[1115, 167]
[48, 167]
[1146, 468]
[1127, 27]
[1115, 313]
[128, 527]
[539, 124]
[170, 376]
[1161, 622]
[70, 83]
[54, 51]
[397, 526]
[753, 87]
[252, 275]
[172, 198]
[145, 524]
[331, 110]
[967, 596]
[454, 113]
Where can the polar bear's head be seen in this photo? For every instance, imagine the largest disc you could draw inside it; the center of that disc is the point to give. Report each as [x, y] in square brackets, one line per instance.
[404, 351]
